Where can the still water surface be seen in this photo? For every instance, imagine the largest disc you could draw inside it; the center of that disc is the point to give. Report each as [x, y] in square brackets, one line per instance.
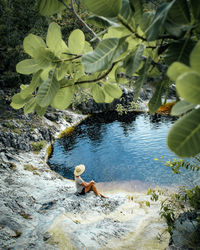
[118, 148]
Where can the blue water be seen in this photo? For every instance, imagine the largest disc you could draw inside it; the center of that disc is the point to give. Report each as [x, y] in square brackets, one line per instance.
[118, 148]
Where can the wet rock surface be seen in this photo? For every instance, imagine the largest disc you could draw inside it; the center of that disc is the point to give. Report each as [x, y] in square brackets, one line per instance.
[39, 209]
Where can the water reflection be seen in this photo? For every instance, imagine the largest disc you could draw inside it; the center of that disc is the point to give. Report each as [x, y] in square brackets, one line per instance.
[117, 148]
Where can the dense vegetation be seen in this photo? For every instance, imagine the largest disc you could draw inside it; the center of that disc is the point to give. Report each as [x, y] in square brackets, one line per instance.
[136, 41]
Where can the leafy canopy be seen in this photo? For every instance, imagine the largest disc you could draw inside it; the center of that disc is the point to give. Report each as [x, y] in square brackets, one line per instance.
[136, 42]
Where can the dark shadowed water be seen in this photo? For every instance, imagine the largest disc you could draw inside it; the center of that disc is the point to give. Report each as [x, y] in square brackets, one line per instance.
[118, 148]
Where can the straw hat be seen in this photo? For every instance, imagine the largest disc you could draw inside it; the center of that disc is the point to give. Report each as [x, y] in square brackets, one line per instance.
[79, 170]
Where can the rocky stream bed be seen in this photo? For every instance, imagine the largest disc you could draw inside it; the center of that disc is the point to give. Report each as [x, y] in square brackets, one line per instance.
[40, 209]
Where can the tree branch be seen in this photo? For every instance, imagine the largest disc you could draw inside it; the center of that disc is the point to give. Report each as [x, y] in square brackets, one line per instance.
[93, 80]
[72, 9]
[70, 59]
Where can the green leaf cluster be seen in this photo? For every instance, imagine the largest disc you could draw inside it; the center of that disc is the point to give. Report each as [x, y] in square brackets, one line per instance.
[55, 67]
[184, 136]
[137, 43]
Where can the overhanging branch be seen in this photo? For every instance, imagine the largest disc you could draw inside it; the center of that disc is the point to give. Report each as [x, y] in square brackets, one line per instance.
[72, 9]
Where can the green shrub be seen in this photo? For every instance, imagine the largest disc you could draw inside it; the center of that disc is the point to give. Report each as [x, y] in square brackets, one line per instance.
[37, 146]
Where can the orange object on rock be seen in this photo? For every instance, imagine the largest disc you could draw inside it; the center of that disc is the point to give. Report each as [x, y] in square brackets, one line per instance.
[166, 108]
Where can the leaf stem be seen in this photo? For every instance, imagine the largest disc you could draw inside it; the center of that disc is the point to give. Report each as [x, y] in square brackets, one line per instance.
[93, 80]
[66, 60]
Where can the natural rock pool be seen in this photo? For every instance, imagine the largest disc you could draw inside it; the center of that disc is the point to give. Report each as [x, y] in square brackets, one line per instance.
[118, 148]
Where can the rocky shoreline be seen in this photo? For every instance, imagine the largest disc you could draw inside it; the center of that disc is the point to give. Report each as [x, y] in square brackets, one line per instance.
[40, 209]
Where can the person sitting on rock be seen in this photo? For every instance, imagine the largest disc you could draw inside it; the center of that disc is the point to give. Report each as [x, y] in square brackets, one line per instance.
[82, 186]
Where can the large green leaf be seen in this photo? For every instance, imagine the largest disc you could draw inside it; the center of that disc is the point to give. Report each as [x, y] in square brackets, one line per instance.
[194, 57]
[177, 69]
[106, 8]
[174, 29]
[30, 106]
[50, 7]
[27, 67]
[32, 44]
[40, 110]
[45, 58]
[179, 51]
[62, 70]
[181, 107]
[146, 20]
[137, 7]
[184, 136]
[76, 42]
[126, 12]
[142, 78]
[112, 90]
[98, 93]
[35, 82]
[63, 98]
[100, 21]
[188, 87]
[156, 100]
[47, 91]
[18, 102]
[179, 12]
[133, 61]
[195, 7]
[101, 58]
[54, 38]
[158, 21]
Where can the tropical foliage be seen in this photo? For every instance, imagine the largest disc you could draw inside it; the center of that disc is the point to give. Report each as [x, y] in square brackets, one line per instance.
[134, 42]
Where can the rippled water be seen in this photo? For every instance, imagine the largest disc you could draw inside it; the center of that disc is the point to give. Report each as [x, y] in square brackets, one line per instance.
[118, 148]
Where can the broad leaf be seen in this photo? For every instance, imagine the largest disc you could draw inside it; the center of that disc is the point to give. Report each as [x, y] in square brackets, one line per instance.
[62, 70]
[98, 93]
[47, 91]
[194, 57]
[106, 8]
[137, 7]
[63, 98]
[54, 38]
[179, 12]
[156, 100]
[100, 21]
[40, 110]
[177, 69]
[50, 7]
[101, 58]
[76, 42]
[133, 60]
[184, 136]
[179, 51]
[45, 57]
[30, 106]
[174, 29]
[195, 7]
[146, 20]
[188, 87]
[18, 102]
[108, 98]
[126, 12]
[142, 78]
[27, 67]
[35, 82]
[112, 90]
[181, 107]
[32, 44]
[158, 21]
